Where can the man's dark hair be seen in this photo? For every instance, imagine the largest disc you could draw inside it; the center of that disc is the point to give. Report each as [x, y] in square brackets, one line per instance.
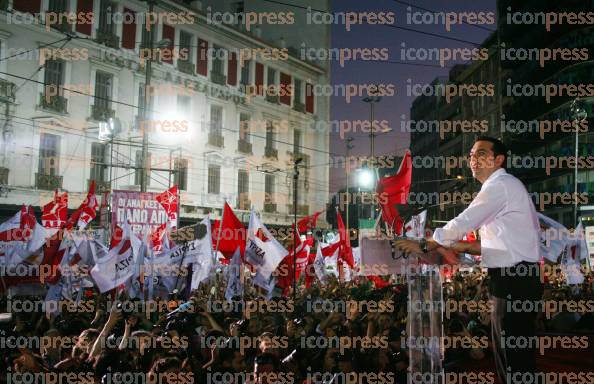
[497, 146]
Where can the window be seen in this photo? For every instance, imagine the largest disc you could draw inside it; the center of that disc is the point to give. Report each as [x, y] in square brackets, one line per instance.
[103, 89]
[269, 135]
[214, 179]
[53, 77]
[271, 86]
[140, 168]
[106, 9]
[59, 7]
[216, 120]
[49, 150]
[268, 188]
[185, 44]
[98, 162]
[297, 92]
[184, 105]
[244, 127]
[218, 60]
[243, 183]
[296, 141]
[180, 177]
[245, 73]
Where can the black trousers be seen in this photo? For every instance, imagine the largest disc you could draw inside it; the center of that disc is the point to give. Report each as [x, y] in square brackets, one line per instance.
[515, 294]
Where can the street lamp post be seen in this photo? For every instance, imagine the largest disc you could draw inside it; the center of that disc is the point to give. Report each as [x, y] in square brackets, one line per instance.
[579, 114]
[372, 100]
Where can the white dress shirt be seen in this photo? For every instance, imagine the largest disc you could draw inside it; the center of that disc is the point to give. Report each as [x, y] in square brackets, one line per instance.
[506, 216]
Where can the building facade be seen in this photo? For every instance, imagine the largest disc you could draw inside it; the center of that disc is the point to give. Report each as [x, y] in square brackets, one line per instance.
[229, 112]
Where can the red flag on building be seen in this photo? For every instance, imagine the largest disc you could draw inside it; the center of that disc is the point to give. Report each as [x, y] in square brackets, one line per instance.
[308, 222]
[394, 190]
[230, 234]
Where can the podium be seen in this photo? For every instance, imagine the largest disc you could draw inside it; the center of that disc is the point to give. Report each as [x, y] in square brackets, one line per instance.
[425, 305]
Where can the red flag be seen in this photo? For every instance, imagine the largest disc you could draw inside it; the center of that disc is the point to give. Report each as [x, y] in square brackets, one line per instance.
[56, 246]
[331, 249]
[346, 252]
[286, 270]
[394, 190]
[230, 235]
[86, 212]
[378, 281]
[170, 200]
[55, 213]
[308, 222]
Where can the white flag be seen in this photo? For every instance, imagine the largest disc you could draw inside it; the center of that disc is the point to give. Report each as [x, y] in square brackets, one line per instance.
[263, 251]
[553, 238]
[115, 269]
[234, 272]
[416, 226]
[202, 254]
[319, 265]
[578, 240]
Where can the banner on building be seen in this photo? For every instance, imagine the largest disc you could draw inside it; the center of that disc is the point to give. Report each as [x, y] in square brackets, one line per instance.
[141, 209]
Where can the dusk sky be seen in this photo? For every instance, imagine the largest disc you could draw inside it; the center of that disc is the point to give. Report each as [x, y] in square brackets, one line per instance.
[381, 72]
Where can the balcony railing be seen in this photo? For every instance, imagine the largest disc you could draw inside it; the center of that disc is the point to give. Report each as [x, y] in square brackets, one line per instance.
[186, 67]
[48, 182]
[216, 139]
[101, 113]
[302, 210]
[270, 207]
[100, 186]
[299, 107]
[3, 175]
[107, 38]
[243, 203]
[55, 103]
[244, 146]
[6, 90]
[218, 78]
[272, 99]
[271, 152]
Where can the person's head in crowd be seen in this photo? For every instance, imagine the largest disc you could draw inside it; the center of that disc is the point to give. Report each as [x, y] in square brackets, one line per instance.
[166, 370]
[264, 365]
[85, 342]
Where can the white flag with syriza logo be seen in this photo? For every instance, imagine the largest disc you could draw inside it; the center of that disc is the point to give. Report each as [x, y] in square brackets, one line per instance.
[553, 238]
[119, 264]
[262, 251]
[416, 226]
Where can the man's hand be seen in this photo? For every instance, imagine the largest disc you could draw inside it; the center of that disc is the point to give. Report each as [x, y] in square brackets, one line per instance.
[408, 246]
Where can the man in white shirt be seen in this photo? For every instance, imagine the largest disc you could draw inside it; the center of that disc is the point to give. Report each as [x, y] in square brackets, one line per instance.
[509, 231]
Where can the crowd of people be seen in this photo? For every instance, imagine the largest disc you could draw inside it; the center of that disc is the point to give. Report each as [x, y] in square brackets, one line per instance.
[319, 335]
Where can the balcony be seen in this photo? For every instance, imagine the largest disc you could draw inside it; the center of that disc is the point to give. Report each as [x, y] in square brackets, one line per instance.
[101, 113]
[218, 78]
[244, 146]
[302, 210]
[216, 139]
[108, 38]
[3, 176]
[48, 182]
[299, 107]
[100, 186]
[274, 99]
[243, 203]
[271, 153]
[6, 90]
[270, 207]
[186, 67]
[55, 103]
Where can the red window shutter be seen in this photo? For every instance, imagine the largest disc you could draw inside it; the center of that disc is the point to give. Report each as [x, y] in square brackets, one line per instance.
[309, 98]
[27, 6]
[232, 73]
[202, 59]
[168, 33]
[285, 90]
[260, 78]
[129, 30]
[85, 7]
